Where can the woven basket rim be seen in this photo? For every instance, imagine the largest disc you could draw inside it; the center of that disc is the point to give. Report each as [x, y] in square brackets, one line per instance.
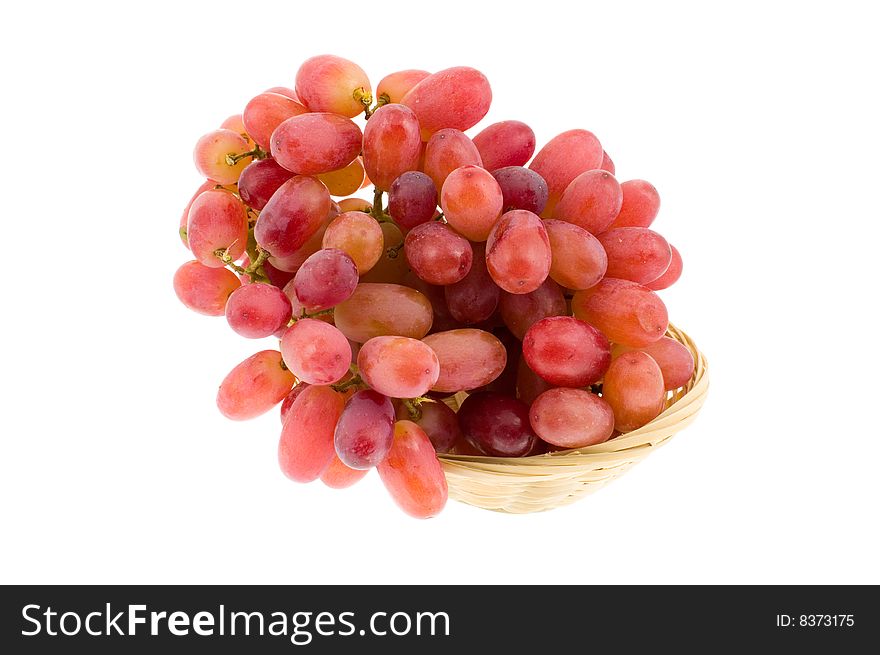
[682, 406]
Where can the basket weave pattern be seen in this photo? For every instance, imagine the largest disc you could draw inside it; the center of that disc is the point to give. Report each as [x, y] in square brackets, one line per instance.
[519, 485]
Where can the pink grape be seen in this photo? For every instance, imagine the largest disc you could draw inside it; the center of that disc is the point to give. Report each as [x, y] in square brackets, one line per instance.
[640, 204]
[392, 144]
[365, 430]
[518, 252]
[267, 111]
[571, 418]
[437, 254]
[396, 85]
[204, 289]
[566, 351]
[468, 358]
[211, 152]
[563, 158]
[184, 218]
[447, 150]
[579, 261]
[636, 253]
[633, 387]
[359, 236]
[325, 279]
[520, 311]
[412, 473]
[624, 311]
[399, 367]
[217, 221]
[412, 199]
[498, 425]
[456, 97]
[316, 143]
[327, 83]
[305, 449]
[474, 298]
[383, 309]
[291, 264]
[254, 386]
[287, 403]
[521, 188]
[591, 201]
[471, 200]
[529, 385]
[675, 361]
[671, 275]
[508, 143]
[316, 352]
[438, 421]
[339, 476]
[255, 311]
[260, 180]
[607, 164]
[292, 215]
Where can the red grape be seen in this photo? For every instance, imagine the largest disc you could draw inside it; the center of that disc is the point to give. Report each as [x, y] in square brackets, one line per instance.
[566, 351]
[392, 144]
[438, 421]
[518, 252]
[636, 253]
[626, 312]
[571, 418]
[399, 367]
[412, 473]
[520, 311]
[327, 83]
[316, 143]
[325, 279]
[365, 430]
[255, 311]
[316, 352]
[633, 386]
[670, 277]
[675, 361]
[456, 97]
[437, 254]
[498, 425]
[254, 386]
[640, 204]
[292, 215]
[508, 143]
[447, 150]
[474, 298]
[468, 358]
[217, 221]
[305, 449]
[204, 289]
[471, 200]
[591, 201]
[566, 156]
[412, 199]
[260, 180]
[579, 261]
[521, 188]
[384, 309]
[214, 152]
[266, 112]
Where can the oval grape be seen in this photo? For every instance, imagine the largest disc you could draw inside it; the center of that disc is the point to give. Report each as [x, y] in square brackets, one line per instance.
[520, 311]
[571, 418]
[563, 158]
[255, 311]
[591, 201]
[640, 204]
[412, 473]
[399, 367]
[456, 97]
[316, 352]
[217, 221]
[412, 199]
[376, 309]
[254, 386]
[266, 112]
[472, 201]
[359, 236]
[636, 253]
[498, 425]
[437, 254]
[305, 449]
[327, 83]
[309, 144]
[518, 252]
[325, 279]
[508, 143]
[204, 289]
[365, 430]
[624, 311]
[579, 260]
[293, 214]
[392, 144]
[521, 188]
[633, 387]
[447, 150]
[468, 358]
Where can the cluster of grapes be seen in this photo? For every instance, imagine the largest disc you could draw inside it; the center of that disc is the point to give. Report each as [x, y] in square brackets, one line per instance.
[514, 290]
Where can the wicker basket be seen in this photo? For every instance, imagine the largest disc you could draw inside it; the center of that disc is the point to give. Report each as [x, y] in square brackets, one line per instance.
[533, 484]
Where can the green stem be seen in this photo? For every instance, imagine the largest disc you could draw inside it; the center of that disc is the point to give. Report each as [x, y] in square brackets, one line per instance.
[323, 312]
[257, 153]
[353, 381]
[415, 412]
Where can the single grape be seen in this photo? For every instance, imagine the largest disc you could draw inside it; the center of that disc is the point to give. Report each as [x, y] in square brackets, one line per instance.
[571, 418]
[260, 180]
[392, 266]
[438, 421]
[521, 188]
[291, 264]
[471, 200]
[468, 358]
[327, 83]
[215, 156]
[412, 199]
[354, 205]
[359, 236]
[508, 143]
[217, 221]
[447, 150]
[392, 144]
[396, 85]
[675, 361]
[344, 181]
[292, 215]
[671, 275]
[305, 449]
[607, 164]
[266, 112]
[529, 385]
[376, 309]
[579, 261]
[184, 218]
[624, 311]
[287, 403]
[204, 289]
[310, 144]
[563, 158]
[636, 253]
[518, 252]
[456, 97]
[437, 254]
[316, 352]
[325, 279]
[640, 204]
[254, 386]
[365, 430]
[566, 351]
[474, 298]
[412, 473]
[591, 201]
[520, 311]
[339, 476]
[399, 367]
[498, 425]
[255, 311]
[633, 387]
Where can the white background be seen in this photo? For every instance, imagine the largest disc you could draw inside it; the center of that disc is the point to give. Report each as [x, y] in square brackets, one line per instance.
[758, 123]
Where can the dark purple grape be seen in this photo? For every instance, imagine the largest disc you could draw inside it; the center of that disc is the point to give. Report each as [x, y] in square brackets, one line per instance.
[325, 279]
[365, 430]
[522, 188]
[412, 199]
[497, 424]
[260, 180]
[475, 297]
[438, 421]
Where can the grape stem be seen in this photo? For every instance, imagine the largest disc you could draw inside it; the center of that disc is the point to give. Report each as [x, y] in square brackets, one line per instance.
[382, 100]
[393, 251]
[413, 406]
[256, 153]
[323, 312]
[376, 211]
[254, 271]
[342, 386]
[362, 96]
